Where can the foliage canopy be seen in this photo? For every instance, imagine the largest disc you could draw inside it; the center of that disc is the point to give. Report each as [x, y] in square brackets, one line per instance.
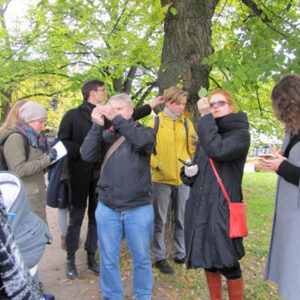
[60, 43]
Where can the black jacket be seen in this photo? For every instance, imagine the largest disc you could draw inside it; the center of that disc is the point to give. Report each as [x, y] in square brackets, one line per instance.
[125, 182]
[72, 130]
[226, 140]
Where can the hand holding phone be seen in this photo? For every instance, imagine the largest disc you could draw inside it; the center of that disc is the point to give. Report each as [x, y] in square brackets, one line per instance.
[267, 156]
[186, 163]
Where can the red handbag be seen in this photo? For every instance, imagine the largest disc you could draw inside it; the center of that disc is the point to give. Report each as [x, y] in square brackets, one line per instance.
[237, 211]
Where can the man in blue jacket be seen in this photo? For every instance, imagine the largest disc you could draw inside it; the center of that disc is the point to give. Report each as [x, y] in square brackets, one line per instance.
[125, 197]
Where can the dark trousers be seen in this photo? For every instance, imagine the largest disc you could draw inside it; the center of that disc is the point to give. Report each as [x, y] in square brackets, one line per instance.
[229, 273]
[75, 221]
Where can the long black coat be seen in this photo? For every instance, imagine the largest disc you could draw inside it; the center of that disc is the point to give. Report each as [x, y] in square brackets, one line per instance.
[74, 127]
[226, 140]
[72, 131]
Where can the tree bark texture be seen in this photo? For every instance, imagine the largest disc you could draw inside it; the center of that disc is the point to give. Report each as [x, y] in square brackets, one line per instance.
[187, 41]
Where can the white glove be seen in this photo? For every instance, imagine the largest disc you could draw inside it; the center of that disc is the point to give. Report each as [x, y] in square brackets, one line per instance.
[191, 170]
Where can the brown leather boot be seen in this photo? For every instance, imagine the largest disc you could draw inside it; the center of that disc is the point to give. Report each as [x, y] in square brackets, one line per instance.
[235, 289]
[214, 282]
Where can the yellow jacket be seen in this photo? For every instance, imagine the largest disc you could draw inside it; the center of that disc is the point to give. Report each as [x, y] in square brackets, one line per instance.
[171, 144]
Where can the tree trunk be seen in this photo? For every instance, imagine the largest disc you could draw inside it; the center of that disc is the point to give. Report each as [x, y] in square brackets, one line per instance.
[187, 41]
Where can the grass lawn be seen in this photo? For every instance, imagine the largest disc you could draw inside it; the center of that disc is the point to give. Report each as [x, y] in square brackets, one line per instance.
[259, 190]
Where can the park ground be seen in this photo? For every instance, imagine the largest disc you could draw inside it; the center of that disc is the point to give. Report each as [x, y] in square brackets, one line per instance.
[259, 195]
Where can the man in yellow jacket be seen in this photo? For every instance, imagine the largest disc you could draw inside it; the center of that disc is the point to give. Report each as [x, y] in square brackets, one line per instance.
[173, 142]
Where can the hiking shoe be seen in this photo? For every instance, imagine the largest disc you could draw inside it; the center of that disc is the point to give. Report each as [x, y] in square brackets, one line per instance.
[71, 271]
[164, 267]
[179, 261]
[92, 264]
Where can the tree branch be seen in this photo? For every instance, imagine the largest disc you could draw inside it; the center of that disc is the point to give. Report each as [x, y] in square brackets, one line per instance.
[41, 94]
[225, 75]
[129, 80]
[257, 11]
[137, 93]
[117, 84]
[258, 102]
[147, 92]
[119, 19]
[218, 85]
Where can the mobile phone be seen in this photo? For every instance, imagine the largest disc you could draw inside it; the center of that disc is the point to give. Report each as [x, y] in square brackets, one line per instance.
[185, 163]
[267, 156]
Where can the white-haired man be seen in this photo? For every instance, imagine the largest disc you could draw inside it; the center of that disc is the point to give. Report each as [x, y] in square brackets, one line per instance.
[125, 197]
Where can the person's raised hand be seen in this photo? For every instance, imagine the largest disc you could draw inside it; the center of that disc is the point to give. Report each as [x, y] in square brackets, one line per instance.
[273, 163]
[97, 116]
[108, 111]
[203, 106]
[157, 101]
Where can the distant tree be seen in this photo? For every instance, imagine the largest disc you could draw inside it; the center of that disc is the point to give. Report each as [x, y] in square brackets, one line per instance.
[67, 42]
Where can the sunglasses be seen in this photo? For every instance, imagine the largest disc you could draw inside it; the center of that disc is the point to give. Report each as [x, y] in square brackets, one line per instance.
[217, 103]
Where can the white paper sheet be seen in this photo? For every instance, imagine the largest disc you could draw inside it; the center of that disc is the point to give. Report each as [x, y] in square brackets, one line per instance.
[61, 151]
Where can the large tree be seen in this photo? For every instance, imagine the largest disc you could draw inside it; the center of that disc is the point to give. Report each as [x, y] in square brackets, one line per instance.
[237, 45]
[187, 41]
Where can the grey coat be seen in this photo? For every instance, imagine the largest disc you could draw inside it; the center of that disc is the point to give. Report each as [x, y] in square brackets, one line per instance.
[283, 262]
[31, 171]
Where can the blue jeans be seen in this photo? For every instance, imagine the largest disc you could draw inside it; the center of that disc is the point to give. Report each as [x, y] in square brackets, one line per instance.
[163, 195]
[136, 225]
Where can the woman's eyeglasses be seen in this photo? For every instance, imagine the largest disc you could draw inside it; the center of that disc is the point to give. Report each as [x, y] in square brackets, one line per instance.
[217, 103]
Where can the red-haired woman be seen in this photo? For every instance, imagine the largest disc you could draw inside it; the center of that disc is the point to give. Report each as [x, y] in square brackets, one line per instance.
[224, 137]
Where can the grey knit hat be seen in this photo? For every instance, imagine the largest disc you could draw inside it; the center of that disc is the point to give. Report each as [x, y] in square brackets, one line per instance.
[31, 111]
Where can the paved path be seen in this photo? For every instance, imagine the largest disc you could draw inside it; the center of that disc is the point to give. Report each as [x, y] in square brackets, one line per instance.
[86, 286]
[53, 264]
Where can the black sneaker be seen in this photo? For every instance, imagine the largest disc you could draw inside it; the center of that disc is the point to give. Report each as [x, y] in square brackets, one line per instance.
[179, 261]
[164, 267]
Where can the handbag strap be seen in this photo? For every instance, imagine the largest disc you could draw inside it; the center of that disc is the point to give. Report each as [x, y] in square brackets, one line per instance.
[219, 180]
[111, 150]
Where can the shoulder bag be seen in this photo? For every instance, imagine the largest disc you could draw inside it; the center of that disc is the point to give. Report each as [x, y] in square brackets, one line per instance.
[237, 211]
[111, 150]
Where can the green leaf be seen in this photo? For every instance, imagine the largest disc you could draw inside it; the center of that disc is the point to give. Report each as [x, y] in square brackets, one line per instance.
[202, 92]
[173, 11]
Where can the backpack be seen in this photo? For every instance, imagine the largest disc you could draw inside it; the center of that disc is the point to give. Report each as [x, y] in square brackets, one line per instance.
[186, 127]
[3, 164]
